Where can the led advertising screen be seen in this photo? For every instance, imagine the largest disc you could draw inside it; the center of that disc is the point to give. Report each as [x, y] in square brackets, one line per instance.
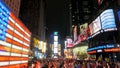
[69, 42]
[108, 19]
[118, 13]
[103, 48]
[75, 33]
[105, 21]
[91, 28]
[55, 44]
[14, 40]
[55, 50]
[55, 38]
[95, 26]
[83, 31]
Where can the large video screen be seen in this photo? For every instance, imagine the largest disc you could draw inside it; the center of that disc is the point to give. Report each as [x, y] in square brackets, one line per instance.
[83, 29]
[104, 22]
[95, 26]
[69, 42]
[14, 40]
[108, 19]
[118, 15]
[75, 33]
[83, 32]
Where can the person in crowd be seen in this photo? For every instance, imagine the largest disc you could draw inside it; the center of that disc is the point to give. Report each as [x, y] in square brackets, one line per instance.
[118, 64]
[100, 64]
[93, 64]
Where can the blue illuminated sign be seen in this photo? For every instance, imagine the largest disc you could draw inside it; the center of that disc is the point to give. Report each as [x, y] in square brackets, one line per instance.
[55, 33]
[4, 17]
[118, 15]
[108, 19]
[4, 13]
[4, 7]
[101, 47]
[3, 23]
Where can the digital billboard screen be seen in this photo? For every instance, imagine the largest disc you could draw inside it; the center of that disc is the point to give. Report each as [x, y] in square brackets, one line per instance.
[69, 42]
[75, 33]
[91, 28]
[83, 29]
[83, 32]
[95, 26]
[104, 22]
[118, 13]
[108, 19]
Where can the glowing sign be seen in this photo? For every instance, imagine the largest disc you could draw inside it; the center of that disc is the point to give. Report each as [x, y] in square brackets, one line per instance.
[55, 38]
[69, 42]
[101, 47]
[112, 50]
[75, 33]
[91, 52]
[55, 33]
[14, 40]
[118, 15]
[108, 19]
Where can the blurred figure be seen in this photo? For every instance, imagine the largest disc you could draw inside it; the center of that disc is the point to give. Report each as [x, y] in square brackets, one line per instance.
[118, 64]
[93, 64]
[33, 65]
[100, 64]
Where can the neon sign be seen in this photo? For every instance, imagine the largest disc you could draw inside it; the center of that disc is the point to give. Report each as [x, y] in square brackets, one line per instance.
[101, 47]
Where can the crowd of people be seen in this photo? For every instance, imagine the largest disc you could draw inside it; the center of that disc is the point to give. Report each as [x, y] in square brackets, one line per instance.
[73, 63]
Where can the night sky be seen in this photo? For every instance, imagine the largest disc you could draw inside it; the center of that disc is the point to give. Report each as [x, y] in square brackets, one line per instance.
[57, 18]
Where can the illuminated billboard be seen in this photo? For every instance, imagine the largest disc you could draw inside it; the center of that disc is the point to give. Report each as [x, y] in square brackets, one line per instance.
[14, 40]
[69, 42]
[118, 15]
[83, 29]
[55, 38]
[103, 48]
[104, 22]
[83, 32]
[107, 19]
[55, 44]
[75, 33]
[44, 47]
[95, 26]
[36, 42]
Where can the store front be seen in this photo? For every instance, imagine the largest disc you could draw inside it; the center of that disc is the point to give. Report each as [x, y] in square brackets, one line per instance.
[80, 51]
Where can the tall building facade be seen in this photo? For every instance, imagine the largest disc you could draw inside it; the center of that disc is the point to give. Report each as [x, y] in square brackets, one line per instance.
[81, 11]
[14, 6]
[98, 23]
[104, 39]
[80, 14]
[32, 12]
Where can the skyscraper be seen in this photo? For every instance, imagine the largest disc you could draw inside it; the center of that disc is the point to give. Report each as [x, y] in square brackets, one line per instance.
[32, 13]
[81, 11]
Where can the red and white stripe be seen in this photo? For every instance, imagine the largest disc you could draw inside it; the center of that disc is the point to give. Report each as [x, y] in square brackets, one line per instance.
[15, 49]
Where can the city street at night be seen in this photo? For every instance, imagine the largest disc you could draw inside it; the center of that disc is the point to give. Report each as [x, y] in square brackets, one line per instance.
[59, 33]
